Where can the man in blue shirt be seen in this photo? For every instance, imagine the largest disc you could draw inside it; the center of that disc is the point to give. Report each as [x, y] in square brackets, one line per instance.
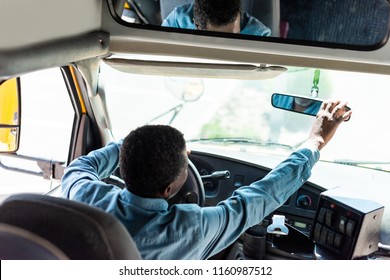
[153, 163]
[216, 15]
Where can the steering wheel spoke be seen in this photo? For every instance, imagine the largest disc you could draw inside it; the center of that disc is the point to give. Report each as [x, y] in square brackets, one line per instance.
[192, 190]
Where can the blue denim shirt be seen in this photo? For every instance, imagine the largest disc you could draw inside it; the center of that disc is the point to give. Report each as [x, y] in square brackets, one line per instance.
[182, 17]
[183, 231]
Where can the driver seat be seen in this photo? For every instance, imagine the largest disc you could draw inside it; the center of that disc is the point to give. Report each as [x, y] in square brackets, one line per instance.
[78, 230]
[20, 244]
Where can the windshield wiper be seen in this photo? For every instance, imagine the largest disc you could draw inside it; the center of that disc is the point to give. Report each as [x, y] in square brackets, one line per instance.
[377, 165]
[242, 140]
[361, 162]
[176, 110]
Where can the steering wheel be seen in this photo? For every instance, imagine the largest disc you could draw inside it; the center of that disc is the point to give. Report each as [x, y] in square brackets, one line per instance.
[192, 190]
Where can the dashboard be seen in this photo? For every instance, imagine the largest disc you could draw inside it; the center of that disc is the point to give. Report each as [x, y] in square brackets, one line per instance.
[299, 209]
[322, 223]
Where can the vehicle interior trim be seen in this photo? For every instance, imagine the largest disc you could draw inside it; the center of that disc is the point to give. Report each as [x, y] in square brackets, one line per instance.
[187, 69]
[52, 54]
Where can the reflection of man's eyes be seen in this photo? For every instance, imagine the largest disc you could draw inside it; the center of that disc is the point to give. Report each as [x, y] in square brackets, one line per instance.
[303, 102]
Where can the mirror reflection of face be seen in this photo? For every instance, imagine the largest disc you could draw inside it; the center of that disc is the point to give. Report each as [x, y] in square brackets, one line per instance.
[304, 22]
[233, 27]
[303, 102]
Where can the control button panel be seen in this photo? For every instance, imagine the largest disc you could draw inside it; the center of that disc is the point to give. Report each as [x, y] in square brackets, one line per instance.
[347, 228]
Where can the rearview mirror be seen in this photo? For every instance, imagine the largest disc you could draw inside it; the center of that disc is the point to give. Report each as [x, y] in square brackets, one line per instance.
[9, 115]
[298, 104]
[349, 24]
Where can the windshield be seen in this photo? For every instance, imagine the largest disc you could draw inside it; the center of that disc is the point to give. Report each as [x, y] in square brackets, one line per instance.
[237, 114]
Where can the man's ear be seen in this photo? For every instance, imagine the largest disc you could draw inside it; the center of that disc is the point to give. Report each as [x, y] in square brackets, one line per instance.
[167, 192]
[197, 26]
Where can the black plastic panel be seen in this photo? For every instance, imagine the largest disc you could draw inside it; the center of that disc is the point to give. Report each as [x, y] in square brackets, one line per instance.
[345, 227]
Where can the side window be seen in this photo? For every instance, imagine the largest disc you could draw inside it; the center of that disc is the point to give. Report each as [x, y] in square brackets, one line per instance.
[46, 125]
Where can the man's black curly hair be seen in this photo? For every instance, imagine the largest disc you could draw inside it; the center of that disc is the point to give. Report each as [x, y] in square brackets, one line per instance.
[151, 158]
[216, 12]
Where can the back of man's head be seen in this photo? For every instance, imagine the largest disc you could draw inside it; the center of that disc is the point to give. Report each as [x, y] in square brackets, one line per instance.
[151, 159]
[216, 12]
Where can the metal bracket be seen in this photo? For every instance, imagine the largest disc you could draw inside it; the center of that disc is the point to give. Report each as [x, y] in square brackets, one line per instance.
[50, 169]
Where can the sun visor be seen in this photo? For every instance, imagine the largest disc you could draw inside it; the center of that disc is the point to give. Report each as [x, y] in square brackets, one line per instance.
[196, 69]
[15, 62]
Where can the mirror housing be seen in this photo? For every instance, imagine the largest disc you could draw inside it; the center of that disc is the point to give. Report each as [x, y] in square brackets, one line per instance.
[355, 24]
[9, 115]
[298, 104]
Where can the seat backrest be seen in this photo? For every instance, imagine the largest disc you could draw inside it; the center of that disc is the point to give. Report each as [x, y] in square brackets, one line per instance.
[77, 229]
[19, 244]
[267, 11]
[367, 21]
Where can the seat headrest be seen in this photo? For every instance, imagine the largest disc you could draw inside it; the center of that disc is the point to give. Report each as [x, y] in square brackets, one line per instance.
[77, 229]
[19, 244]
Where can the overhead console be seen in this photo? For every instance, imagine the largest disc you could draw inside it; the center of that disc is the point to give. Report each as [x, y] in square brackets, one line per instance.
[345, 227]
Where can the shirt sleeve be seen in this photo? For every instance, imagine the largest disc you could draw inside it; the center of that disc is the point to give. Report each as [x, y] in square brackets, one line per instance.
[88, 170]
[170, 20]
[253, 26]
[224, 223]
[180, 17]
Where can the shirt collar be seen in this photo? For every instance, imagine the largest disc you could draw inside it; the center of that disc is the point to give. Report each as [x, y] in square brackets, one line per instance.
[154, 204]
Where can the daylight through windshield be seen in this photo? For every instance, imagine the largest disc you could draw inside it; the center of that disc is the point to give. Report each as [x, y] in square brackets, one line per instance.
[238, 113]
